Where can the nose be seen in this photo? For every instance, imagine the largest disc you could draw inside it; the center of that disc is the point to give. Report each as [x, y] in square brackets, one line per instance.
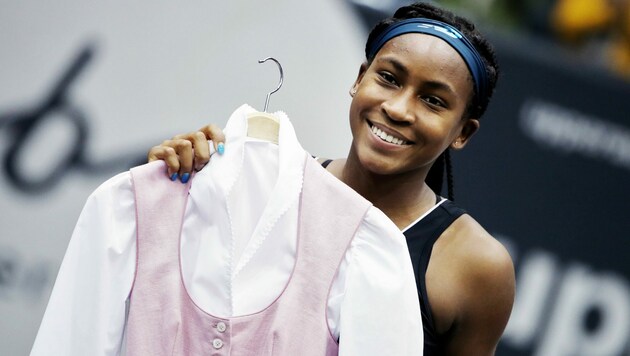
[398, 108]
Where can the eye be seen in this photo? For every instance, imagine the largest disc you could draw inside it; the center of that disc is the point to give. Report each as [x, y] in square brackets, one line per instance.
[434, 101]
[388, 77]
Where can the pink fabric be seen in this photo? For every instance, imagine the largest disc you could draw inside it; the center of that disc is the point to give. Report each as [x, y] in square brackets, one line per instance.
[163, 320]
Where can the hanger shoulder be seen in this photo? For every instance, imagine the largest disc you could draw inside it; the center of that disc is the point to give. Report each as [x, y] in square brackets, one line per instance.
[263, 126]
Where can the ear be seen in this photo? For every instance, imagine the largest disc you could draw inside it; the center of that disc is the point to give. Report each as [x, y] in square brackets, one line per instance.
[362, 71]
[468, 129]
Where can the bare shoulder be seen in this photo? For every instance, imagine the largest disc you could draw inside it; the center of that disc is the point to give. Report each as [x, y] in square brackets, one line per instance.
[483, 265]
[481, 254]
[480, 276]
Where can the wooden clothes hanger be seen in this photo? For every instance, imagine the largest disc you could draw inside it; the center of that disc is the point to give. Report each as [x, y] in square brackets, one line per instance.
[263, 125]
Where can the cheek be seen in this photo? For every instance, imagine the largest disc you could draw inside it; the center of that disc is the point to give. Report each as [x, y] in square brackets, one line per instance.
[353, 111]
[438, 133]
[361, 103]
[354, 116]
[369, 92]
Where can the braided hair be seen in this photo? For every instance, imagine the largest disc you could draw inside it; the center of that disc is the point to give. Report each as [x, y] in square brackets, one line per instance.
[442, 165]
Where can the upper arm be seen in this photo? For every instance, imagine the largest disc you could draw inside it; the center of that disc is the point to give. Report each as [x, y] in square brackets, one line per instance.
[486, 286]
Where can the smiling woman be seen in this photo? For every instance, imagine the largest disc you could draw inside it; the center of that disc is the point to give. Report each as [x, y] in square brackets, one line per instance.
[426, 82]
[416, 89]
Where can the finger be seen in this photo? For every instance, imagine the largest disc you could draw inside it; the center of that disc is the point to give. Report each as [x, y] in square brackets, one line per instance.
[201, 150]
[169, 156]
[182, 136]
[200, 147]
[214, 133]
[184, 150]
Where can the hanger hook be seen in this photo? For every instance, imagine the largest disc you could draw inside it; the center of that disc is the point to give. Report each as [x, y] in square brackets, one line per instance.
[279, 84]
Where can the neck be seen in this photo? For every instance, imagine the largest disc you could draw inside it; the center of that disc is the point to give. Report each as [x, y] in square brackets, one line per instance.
[402, 197]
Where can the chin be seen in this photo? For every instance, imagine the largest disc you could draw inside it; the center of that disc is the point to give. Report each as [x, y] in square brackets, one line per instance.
[376, 166]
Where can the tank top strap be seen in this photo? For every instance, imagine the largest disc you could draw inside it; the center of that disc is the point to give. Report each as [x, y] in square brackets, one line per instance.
[420, 240]
[326, 163]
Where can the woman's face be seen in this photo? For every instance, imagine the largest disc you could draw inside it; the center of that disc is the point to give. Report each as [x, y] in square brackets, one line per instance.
[408, 105]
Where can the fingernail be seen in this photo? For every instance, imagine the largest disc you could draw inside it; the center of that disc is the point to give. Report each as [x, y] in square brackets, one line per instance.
[174, 176]
[185, 177]
[220, 148]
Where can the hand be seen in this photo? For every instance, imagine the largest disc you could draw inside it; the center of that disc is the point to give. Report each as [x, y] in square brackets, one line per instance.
[183, 152]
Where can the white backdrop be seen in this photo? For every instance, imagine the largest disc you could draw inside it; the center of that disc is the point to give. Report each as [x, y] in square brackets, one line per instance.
[157, 68]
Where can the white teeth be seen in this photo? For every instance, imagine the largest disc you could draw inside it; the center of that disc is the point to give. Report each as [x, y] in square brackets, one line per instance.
[388, 138]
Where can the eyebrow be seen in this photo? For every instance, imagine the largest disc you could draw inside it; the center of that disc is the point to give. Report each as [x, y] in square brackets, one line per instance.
[394, 62]
[430, 84]
[437, 85]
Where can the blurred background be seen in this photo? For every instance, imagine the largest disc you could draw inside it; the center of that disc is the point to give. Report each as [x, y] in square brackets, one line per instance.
[87, 88]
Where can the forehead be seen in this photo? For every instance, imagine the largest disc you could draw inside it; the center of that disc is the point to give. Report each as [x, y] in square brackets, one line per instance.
[426, 53]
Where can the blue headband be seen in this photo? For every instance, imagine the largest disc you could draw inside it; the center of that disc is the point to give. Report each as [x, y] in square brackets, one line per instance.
[448, 33]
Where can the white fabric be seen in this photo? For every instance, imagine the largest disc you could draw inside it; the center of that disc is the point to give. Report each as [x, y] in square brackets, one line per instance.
[234, 268]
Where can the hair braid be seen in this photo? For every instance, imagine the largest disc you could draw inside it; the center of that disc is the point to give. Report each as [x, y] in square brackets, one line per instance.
[435, 177]
[449, 175]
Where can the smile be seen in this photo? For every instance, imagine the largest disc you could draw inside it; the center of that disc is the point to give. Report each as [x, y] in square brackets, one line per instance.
[387, 137]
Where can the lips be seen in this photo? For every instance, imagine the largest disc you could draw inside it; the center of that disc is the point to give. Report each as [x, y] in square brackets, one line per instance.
[388, 137]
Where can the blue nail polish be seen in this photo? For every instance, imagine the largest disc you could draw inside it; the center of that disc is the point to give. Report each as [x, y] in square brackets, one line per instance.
[221, 148]
[174, 176]
[185, 177]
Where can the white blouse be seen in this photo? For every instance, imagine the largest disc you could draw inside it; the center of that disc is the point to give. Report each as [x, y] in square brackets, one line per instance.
[373, 306]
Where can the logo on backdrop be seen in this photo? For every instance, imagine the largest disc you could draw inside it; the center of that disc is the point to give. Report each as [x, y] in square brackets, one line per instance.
[567, 308]
[568, 130]
[22, 124]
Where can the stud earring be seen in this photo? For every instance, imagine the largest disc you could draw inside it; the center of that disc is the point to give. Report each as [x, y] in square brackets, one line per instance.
[353, 91]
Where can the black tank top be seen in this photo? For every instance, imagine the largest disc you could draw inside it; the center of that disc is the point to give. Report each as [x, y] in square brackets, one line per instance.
[420, 239]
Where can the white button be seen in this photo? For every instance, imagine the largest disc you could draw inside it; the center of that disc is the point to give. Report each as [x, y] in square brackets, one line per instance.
[221, 326]
[217, 343]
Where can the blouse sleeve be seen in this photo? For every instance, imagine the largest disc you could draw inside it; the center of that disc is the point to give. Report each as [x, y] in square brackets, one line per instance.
[87, 308]
[380, 310]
